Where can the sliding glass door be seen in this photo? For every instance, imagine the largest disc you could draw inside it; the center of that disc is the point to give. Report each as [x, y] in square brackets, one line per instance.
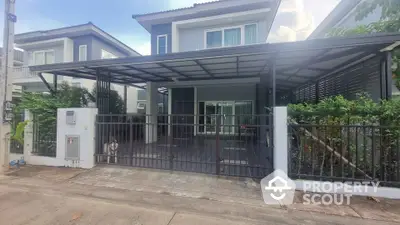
[230, 113]
[222, 111]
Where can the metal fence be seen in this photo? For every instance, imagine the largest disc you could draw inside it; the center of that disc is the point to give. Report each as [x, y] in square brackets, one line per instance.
[44, 137]
[232, 145]
[361, 78]
[345, 153]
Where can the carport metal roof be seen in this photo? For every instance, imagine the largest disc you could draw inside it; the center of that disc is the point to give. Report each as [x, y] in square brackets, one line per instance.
[296, 63]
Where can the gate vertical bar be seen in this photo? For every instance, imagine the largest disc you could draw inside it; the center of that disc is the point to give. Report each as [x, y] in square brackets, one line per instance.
[217, 146]
[271, 116]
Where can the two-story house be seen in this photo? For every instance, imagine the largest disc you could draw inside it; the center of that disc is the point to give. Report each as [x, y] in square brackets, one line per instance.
[68, 44]
[212, 25]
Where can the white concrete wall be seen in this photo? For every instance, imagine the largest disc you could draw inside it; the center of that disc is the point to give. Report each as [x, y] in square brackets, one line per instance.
[85, 129]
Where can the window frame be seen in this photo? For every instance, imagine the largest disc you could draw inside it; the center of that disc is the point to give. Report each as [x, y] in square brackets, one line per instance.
[222, 29]
[166, 43]
[44, 55]
[79, 53]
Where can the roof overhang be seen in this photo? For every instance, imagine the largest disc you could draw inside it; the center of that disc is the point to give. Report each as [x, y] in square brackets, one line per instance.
[205, 10]
[296, 63]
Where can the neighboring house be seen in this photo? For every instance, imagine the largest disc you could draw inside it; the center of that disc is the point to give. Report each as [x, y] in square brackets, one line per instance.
[18, 61]
[344, 16]
[204, 26]
[68, 44]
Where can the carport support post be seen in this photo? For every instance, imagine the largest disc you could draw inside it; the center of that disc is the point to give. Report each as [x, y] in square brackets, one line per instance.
[151, 112]
[55, 82]
[125, 99]
[389, 75]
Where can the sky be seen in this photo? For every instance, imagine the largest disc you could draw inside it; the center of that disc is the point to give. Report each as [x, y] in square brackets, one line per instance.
[115, 17]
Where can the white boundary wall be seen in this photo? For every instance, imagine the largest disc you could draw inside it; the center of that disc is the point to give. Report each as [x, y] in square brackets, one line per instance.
[281, 154]
[84, 127]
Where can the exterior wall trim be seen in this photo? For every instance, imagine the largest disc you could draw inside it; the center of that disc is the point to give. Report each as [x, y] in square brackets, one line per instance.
[40, 42]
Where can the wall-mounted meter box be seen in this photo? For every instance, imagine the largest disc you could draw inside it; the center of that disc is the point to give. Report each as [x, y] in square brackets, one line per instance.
[71, 117]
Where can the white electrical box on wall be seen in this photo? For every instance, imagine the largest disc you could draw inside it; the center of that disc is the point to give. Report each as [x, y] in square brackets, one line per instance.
[70, 117]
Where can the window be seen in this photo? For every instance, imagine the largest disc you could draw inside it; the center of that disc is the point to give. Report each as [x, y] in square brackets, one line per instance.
[214, 39]
[231, 36]
[250, 34]
[107, 55]
[82, 52]
[162, 44]
[43, 57]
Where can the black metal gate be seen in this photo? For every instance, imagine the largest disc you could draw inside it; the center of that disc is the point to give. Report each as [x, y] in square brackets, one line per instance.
[243, 148]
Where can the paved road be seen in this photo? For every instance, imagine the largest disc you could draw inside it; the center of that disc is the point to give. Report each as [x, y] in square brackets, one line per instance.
[115, 195]
[22, 206]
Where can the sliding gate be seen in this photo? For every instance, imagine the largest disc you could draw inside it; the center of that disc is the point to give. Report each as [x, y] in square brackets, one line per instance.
[243, 147]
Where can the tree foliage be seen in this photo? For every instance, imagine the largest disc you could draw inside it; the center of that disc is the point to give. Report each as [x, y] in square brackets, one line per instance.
[340, 111]
[390, 9]
[43, 106]
[117, 104]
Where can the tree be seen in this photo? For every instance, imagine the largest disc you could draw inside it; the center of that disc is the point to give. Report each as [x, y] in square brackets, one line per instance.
[117, 104]
[44, 106]
[389, 22]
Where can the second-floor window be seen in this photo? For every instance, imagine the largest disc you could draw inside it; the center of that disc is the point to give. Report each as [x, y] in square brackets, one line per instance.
[43, 57]
[162, 44]
[82, 52]
[231, 36]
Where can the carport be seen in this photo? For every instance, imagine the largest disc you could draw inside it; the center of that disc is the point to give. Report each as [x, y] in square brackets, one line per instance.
[282, 73]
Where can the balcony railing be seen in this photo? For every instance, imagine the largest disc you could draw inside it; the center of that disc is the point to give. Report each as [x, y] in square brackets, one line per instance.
[23, 72]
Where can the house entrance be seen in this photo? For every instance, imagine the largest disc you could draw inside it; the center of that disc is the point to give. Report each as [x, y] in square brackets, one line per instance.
[225, 112]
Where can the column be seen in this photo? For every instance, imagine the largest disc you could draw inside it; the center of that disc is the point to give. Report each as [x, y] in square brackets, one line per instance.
[151, 112]
[280, 152]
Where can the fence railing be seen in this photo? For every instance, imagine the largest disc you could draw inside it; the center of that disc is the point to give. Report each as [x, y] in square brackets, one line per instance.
[23, 72]
[233, 145]
[44, 138]
[345, 153]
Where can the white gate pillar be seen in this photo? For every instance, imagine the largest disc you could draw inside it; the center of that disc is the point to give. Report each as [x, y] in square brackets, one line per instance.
[280, 139]
[151, 112]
